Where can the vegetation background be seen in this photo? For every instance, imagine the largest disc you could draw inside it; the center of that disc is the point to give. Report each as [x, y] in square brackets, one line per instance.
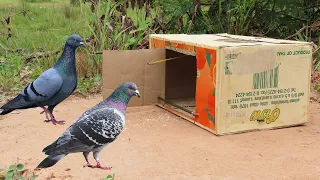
[32, 32]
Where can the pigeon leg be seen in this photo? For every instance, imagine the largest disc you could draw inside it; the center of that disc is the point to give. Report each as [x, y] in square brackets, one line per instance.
[85, 154]
[45, 110]
[96, 157]
[53, 120]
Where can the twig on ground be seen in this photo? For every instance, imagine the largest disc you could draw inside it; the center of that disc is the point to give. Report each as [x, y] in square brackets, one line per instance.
[31, 56]
[18, 50]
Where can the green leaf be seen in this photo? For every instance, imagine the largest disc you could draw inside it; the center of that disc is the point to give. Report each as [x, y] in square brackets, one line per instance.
[317, 88]
[20, 167]
[109, 176]
[20, 177]
[141, 28]
[9, 175]
[11, 168]
[208, 58]
[130, 42]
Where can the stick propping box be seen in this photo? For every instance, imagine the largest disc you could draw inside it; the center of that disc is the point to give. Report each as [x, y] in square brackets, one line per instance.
[223, 83]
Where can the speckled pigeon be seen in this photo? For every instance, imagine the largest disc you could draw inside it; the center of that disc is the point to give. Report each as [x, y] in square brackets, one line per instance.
[52, 86]
[96, 128]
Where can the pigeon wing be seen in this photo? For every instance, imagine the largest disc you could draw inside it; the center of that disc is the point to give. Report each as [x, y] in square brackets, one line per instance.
[44, 87]
[100, 127]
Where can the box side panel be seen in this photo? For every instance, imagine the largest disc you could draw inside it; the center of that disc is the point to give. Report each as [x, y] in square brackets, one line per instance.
[263, 87]
[131, 66]
[206, 87]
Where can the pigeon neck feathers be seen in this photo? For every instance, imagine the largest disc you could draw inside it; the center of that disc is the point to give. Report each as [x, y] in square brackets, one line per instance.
[119, 100]
[67, 60]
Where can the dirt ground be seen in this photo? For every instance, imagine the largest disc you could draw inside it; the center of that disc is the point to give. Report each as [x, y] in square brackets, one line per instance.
[158, 145]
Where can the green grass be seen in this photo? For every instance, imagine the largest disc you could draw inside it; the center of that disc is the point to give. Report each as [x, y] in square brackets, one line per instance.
[46, 28]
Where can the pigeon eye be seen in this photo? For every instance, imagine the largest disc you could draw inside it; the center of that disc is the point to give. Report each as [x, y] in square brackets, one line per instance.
[130, 87]
[73, 39]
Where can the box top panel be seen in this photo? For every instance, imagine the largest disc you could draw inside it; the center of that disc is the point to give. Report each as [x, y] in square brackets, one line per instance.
[222, 40]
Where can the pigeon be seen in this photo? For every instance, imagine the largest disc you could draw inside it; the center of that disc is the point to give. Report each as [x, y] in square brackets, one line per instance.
[52, 86]
[94, 129]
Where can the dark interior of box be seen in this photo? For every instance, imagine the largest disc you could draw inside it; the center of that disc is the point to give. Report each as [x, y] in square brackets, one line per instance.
[181, 74]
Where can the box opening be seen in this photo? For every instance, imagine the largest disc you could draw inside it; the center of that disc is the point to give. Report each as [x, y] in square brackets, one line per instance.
[180, 82]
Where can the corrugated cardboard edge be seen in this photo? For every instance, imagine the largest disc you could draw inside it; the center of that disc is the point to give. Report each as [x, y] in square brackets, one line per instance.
[264, 129]
[187, 119]
[309, 84]
[188, 43]
[272, 41]
[218, 88]
[164, 39]
[262, 39]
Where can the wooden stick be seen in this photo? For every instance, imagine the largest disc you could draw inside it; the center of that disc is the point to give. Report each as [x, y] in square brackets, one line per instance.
[164, 60]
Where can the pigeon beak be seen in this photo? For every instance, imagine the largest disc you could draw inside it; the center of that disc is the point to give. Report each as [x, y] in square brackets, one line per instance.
[82, 44]
[137, 93]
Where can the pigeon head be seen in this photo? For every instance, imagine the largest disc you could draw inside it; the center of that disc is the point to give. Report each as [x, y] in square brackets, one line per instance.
[75, 41]
[131, 89]
[122, 95]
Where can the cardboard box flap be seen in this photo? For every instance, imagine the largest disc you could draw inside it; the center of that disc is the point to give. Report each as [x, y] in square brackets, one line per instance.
[245, 39]
[131, 65]
[221, 40]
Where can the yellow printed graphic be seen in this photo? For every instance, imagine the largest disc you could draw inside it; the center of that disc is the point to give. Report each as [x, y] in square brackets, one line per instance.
[266, 114]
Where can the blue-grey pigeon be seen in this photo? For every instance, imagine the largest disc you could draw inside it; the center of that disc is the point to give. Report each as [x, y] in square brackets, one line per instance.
[52, 86]
[96, 128]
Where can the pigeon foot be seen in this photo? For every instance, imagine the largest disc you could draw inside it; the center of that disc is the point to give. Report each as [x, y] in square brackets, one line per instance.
[98, 166]
[55, 122]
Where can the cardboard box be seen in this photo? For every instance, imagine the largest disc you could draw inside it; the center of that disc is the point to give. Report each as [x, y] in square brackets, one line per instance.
[223, 83]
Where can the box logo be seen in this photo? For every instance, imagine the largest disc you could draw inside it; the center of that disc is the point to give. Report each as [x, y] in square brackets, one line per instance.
[265, 115]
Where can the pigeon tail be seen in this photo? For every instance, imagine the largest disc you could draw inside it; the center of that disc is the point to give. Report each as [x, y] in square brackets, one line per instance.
[50, 160]
[6, 111]
[18, 102]
[50, 146]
